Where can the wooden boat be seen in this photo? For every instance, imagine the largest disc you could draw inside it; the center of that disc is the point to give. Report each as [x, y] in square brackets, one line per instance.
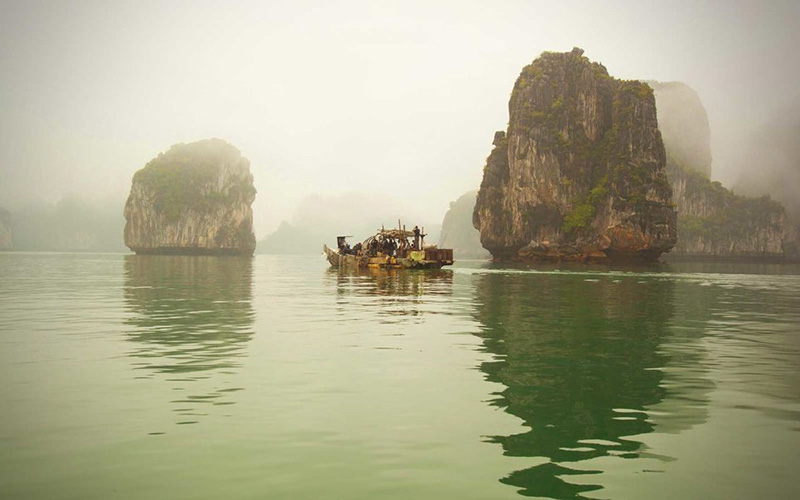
[389, 249]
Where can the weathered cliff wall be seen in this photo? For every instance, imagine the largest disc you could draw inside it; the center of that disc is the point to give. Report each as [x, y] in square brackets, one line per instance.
[713, 222]
[194, 199]
[6, 237]
[579, 175]
[458, 232]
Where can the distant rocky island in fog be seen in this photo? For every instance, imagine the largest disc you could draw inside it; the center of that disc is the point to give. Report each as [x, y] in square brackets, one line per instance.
[73, 224]
[193, 199]
[772, 158]
[458, 232]
[713, 222]
[6, 236]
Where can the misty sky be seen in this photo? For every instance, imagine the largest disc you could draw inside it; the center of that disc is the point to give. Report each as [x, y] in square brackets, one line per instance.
[328, 98]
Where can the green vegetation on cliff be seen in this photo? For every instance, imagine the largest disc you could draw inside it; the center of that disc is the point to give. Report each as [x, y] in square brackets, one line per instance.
[179, 178]
[583, 214]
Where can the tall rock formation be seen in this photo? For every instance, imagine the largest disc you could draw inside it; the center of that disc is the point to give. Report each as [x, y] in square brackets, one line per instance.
[713, 222]
[6, 237]
[458, 232]
[193, 199]
[579, 174]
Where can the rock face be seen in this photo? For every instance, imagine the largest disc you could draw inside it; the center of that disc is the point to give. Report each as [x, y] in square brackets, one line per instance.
[458, 232]
[712, 221]
[193, 199]
[6, 238]
[579, 175]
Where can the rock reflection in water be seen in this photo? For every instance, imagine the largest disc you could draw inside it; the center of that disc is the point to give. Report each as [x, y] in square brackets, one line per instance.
[395, 294]
[191, 320]
[584, 359]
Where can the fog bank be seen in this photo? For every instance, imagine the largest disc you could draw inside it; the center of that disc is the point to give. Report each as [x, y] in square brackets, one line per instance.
[395, 99]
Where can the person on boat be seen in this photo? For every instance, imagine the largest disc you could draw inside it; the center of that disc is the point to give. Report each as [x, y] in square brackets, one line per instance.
[417, 233]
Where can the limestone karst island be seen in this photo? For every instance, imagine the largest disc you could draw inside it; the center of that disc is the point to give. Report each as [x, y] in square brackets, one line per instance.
[580, 173]
[194, 199]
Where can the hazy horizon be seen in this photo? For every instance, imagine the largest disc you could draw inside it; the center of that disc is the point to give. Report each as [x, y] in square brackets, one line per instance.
[332, 99]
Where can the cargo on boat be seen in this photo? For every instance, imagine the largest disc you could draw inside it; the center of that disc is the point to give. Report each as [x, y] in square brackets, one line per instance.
[389, 249]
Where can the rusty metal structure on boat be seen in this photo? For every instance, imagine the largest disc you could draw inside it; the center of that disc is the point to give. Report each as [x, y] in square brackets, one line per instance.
[389, 249]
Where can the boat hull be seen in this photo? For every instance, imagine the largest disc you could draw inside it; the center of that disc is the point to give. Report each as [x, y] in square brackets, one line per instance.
[417, 260]
[346, 261]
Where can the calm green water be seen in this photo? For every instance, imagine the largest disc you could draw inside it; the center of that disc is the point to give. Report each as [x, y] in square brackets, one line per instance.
[202, 377]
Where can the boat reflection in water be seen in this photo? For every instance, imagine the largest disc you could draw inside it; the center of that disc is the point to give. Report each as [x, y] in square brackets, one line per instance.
[393, 294]
[191, 318]
[589, 362]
